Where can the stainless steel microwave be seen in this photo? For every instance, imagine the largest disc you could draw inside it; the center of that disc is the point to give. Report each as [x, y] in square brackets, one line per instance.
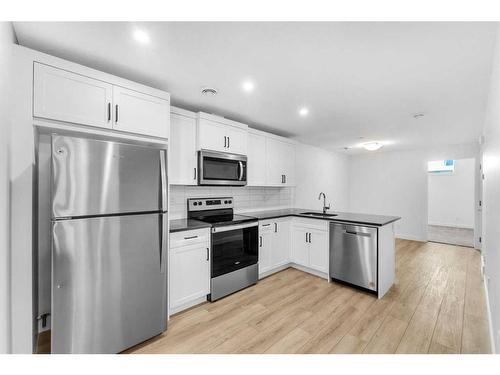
[221, 168]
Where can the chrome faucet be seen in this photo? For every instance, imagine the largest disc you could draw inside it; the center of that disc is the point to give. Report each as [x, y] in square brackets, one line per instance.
[325, 207]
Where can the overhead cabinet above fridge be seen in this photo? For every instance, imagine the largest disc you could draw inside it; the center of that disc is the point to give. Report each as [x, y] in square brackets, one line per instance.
[65, 96]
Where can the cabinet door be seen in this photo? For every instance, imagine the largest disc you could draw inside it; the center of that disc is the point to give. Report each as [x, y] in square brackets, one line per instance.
[300, 246]
[139, 113]
[212, 136]
[237, 140]
[280, 253]
[277, 155]
[318, 250]
[69, 97]
[265, 248]
[256, 172]
[182, 162]
[289, 164]
[189, 274]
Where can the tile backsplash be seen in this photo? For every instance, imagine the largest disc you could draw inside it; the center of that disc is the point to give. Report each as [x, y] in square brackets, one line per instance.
[245, 198]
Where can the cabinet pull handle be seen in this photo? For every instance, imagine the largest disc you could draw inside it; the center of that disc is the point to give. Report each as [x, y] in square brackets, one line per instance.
[225, 141]
[260, 241]
[190, 238]
[195, 173]
[310, 238]
[275, 227]
[116, 114]
[265, 225]
[208, 254]
[109, 111]
[228, 142]
[284, 178]
[306, 236]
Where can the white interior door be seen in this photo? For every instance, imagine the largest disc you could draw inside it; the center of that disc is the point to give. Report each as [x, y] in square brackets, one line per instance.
[139, 113]
[69, 97]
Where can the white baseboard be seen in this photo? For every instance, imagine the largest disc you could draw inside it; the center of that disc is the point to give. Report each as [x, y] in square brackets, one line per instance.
[450, 225]
[490, 323]
[274, 270]
[411, 237]
[187, 305]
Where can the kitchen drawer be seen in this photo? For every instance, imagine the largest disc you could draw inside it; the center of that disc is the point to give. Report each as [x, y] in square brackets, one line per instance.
[189, 237]
[266, 226]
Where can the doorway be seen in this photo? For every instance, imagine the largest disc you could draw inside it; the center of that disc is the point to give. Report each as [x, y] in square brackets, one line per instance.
[451, 201]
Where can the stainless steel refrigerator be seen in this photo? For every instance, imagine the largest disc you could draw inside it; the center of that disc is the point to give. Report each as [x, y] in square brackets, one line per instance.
[109, 244]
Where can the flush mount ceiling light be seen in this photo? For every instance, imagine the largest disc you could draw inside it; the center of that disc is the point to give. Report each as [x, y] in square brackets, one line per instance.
[141, 36]
[372, 146]
[209, 91]
[303, 111]
[248, 86]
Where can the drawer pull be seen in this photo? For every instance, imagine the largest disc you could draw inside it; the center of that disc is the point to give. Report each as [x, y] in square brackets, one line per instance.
[266, 225]
[190, 238]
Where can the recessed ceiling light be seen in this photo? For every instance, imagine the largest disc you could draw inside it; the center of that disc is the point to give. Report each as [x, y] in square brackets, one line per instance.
[141, 36]
[303, 111]
[372, 146]
[248, 86]
[209, 91]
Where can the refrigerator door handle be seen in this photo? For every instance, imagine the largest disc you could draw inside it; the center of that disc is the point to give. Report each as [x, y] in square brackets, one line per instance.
[163, 176]
[163, 242]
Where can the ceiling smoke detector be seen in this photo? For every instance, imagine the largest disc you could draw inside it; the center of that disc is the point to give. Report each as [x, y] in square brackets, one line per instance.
[417, 116]
[209, 91]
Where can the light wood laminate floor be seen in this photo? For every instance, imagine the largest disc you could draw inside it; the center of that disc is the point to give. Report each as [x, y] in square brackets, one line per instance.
[437, 305]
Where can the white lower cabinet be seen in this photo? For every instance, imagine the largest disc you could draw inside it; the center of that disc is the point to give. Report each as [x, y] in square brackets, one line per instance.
[189, 268]
[274, 244]
[310, 244]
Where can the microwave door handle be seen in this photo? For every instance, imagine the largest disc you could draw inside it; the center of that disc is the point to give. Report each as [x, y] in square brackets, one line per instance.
[241, 171]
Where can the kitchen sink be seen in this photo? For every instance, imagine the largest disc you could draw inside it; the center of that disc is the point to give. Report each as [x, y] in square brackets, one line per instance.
[319, 214]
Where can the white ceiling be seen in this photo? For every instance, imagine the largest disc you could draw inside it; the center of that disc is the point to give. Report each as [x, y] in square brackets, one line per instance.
[357, 79]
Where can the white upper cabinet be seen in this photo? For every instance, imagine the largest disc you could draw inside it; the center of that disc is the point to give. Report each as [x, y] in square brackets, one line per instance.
[280, 163]
[135, 112]
[219, 134]
[182, 161]
[256, 171]
[64, 96]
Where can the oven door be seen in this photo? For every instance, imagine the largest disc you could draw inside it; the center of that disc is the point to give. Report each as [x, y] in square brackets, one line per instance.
[234, 247]
[220, 168]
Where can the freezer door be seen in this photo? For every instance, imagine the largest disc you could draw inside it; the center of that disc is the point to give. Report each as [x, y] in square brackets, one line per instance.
[109, 285]
[94, 177]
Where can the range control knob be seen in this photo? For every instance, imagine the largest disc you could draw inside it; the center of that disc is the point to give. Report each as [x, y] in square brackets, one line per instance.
[229, 201]
[195, 203]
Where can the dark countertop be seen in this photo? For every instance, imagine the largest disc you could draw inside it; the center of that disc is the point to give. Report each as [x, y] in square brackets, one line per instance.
[344, 217]
[187, 224]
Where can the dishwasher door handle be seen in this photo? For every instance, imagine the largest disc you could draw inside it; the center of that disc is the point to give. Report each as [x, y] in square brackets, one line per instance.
[357, 233]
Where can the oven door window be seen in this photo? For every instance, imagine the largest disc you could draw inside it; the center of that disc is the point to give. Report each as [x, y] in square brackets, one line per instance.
[221, 169]
[234, 249]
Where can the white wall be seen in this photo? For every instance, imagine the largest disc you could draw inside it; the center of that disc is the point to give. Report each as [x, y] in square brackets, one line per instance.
[451, 196]
[6, 40]
[395, 183]
[319, 170]
[491, 196]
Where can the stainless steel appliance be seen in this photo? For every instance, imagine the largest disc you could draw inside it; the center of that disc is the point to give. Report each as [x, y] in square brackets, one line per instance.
[235, 252]
[353, 255]
[221, 168]
[109, 244]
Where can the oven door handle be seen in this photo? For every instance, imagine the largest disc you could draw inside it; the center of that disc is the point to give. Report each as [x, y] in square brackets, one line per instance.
[240, 178]
[234, 227]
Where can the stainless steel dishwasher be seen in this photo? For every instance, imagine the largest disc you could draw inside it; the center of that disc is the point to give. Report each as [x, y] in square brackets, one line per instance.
[353, 255]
